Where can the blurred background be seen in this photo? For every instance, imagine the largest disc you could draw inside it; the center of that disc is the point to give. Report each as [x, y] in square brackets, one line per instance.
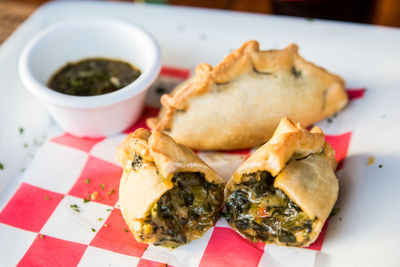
[379, 12]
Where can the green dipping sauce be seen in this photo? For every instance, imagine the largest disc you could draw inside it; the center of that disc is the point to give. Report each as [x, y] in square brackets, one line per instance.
[93, 76]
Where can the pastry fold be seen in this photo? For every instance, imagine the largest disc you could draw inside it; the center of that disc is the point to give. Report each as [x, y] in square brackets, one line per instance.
[239, 103]
[284, 192]
[168, 195]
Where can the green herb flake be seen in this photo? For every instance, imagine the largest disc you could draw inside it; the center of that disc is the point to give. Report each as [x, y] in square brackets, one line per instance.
[108, 209]
[100, 219]
[75, 207]
[1, 166]
[87, 181]
[102, 186]
[254, 239]
[47, 198]
[105, 225]
[85, 200]
[20, 130]
[126, 230]
[329, 120]
[41, 236]
[309, 19]
[93, 230]
[334, 212]
[25, 145]
[112, 191]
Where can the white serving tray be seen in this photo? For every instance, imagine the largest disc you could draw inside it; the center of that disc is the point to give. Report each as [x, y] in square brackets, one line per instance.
[366, 232]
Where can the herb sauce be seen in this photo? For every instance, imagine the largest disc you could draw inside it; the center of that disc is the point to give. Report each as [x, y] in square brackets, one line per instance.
[185, 212]
[263, 212]
[93, 76]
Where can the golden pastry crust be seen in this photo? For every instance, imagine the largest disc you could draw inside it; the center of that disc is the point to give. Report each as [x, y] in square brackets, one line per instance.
[245, 96]
[140, 188]
[302, 164]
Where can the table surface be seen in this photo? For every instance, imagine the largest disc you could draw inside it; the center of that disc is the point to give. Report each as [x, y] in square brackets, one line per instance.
[363, 55]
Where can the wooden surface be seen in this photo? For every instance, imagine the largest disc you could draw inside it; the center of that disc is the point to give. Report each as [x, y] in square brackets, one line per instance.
[12, 14]
[381, 12]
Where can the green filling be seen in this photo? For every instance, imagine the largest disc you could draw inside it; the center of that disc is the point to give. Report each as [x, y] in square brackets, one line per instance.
[94, 76]
[184, 212]
[262, 212]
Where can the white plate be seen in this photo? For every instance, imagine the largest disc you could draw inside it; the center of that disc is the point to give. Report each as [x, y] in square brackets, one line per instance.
[367, 234]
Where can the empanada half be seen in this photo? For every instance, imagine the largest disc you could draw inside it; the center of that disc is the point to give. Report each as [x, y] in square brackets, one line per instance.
[168, 195]
[239, 103]
[285, 191]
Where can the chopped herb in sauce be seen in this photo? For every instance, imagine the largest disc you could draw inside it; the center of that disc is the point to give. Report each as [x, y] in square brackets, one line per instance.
[87, 181]
[93, 230]
[85, 200]
[93, 76]
[47, 198]
[262, 212]
[102, 186]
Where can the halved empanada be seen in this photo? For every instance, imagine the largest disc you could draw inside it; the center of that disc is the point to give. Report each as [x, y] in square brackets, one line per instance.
[239, 103]
[284, 192]
[168, 195]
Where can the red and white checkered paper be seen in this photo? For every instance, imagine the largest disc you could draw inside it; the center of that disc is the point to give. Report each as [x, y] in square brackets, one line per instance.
[38, 227]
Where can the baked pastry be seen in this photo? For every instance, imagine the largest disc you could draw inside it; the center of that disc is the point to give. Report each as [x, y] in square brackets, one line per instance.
[284, 192]
[238, 104]
[168, 195]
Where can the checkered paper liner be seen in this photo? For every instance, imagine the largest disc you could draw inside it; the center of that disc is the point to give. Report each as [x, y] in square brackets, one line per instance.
[49, 222]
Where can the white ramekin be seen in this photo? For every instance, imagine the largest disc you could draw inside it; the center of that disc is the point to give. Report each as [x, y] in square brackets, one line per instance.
[76, 39]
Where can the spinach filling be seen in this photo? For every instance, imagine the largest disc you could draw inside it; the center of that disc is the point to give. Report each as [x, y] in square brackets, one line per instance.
[184, 212]
[262, 212]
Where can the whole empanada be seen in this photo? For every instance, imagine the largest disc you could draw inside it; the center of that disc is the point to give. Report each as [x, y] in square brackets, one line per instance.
[284, 192]
[168, 195]
[239, 103]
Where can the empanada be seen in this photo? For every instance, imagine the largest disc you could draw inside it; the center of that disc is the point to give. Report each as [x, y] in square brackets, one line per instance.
[168, 195]
[284, 192]
[239, 103]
